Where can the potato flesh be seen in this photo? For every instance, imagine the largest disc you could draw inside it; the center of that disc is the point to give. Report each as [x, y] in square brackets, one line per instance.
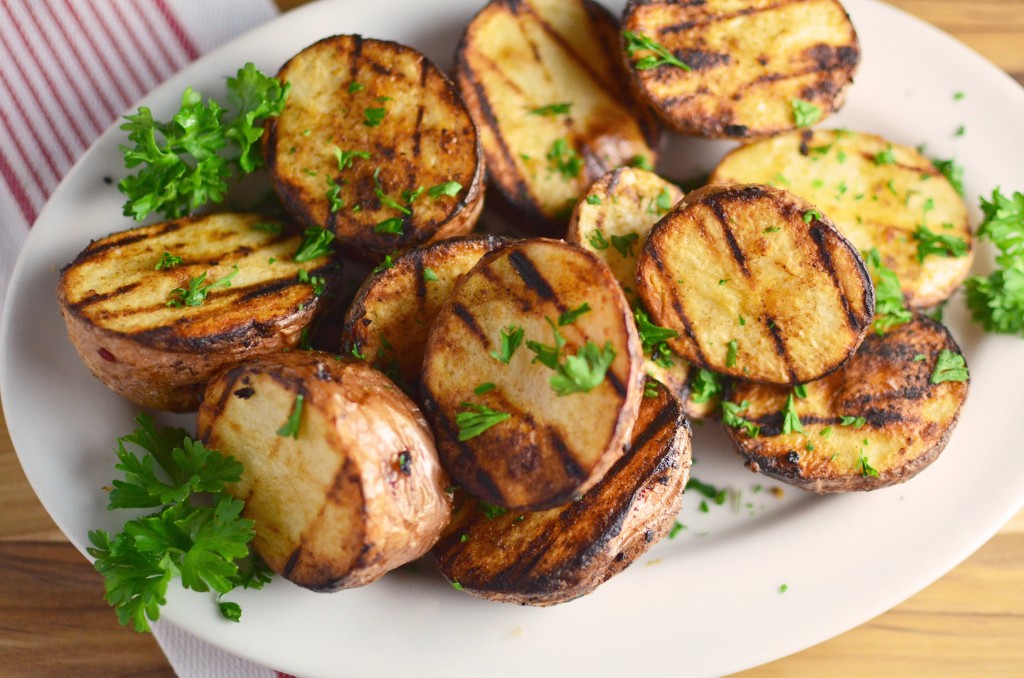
[552, 447]
[742, 264]
[874, 204]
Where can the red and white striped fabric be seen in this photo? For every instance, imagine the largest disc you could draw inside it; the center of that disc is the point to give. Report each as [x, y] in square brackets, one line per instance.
[68, 69]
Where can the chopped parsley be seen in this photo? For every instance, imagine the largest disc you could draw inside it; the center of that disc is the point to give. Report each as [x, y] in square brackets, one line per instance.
[484, 388]
[564, 159]
[952, 171]
[855, 422]
[373, 117]
[429, 275]
[730, 355]
[167, 261]
[772, 229]
[584, 371]
[316, 243]
[790, 419]
[706, 386]
[939, 244]
[650, 390]
[885, 157]
[677, 527]
[664, 200]
[623, 244]
[267, 227]
[392, 226]
[346, 158]
[388, 262]
[317, 282]
[354, 87]
[826, 432]
[890, 309]
[866, 469]
[386, 199]
[448, 188]
[949, 367]
[572, 314]
[597, 240]
[811, 215]
[553, 109]
[651, 335]
[474, 419]
[334, 196]
[731, 417]
[637, 42]
[490, 511]
[640, 162]
[716, 494]
[805, 113]
[291, 426]
[511, 338]
[800, 391]
[198, 288]
[594, 200]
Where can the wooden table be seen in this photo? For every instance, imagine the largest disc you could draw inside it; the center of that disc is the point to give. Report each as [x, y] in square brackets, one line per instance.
[53, 620]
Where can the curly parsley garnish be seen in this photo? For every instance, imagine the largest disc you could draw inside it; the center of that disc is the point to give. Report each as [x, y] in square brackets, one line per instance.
[206, 544]
[997, 300]
[184, 161]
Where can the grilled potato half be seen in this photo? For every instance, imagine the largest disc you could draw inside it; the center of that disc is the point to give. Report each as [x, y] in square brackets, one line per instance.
[533, 375]
[878, 421]
[375, 145]
[341, 475]
[758, 283]
[553, 103]
[155, 312]
[879, 195]
[746, 63]
[612, 220]
[390, 318]
[554, 556]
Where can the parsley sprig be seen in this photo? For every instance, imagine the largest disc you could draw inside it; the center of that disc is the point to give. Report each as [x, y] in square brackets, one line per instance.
[997, 300]
[890, 309]
[950, 366]
[579, 373]
[184, 162]
[206, 544]
[940, 244]
[198, 288]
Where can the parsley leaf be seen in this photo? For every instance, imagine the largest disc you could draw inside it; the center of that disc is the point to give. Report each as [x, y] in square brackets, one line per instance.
[855, 422]
[594, 200]
[997, 300]
[392, 226]
[315, 281]
[949, 367]
[316, 243]
[940, 244]
[373, 117]
[564, 159]
[705, 386]
[346, 158]
[805, 113]
[200, 542]
[545, 354]
[885, 156]
[291, 426]
[623, 244]
[184, 162]
[449, 188]
[429, 275]
[572, 314]
[731, 351]
[198, 288]
[790, 418]
[584, 371]
[664, 200]
[167, 261]
[511, 337]
[598, 241]
[641, 162]
[731, 418]
[653, 337]
[475, 419]
[953, 172]
[637, 42]
[334, 198]
[866, 469]
[553, 109]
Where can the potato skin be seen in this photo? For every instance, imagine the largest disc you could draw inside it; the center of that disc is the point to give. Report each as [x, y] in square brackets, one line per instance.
[114, 304]
[425, 138]
[358, 492]
[554, 556]
[908, 420]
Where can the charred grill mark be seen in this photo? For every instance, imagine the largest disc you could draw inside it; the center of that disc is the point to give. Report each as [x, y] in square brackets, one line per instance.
[580, 59]
[571, 467]
[819, 235]
[245, 392]
[261, 289]
[105, 296]
[129, 238]
[677, 306]
[616, 383]
[701, 60]
[711, 19]
[462, 468]
[421, 282]
[520, 189]
[613, 183]
[828, 57]
[734, 247]
[530, 276]
[780, 347]
[293, 560]
[667, 415]
[467, 317]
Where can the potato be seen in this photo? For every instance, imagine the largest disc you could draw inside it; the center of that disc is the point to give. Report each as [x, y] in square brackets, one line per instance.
[134, 330]
[746, 63]
[554, 556]
[341, 474]
[375, 145]
[758, 284]
[878, 421]
[533, 375]
[876, 192]
[553, 103]
[388, 322]
[612, 220]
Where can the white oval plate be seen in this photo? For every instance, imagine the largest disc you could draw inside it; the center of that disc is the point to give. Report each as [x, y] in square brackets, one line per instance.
[707, 602]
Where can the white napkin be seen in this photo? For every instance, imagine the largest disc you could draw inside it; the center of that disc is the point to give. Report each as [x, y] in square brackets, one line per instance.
[68, 69]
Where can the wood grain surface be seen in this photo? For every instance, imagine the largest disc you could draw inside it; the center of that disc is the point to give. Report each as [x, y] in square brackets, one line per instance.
[53, 621]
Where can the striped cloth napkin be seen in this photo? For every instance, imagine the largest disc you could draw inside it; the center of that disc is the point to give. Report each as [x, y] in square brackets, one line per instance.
[68, 70]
